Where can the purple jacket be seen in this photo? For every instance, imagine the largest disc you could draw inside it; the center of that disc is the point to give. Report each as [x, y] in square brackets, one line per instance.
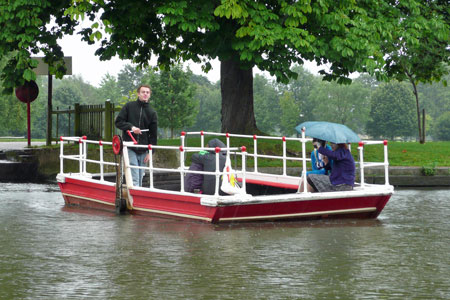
[343, 170]
[193, 181]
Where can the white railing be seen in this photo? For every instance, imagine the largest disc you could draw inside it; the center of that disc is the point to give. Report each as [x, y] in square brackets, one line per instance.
[183, 170]
[82, 156]
[363, 165]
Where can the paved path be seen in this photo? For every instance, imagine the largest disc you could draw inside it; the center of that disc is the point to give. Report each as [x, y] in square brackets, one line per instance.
[18, 145]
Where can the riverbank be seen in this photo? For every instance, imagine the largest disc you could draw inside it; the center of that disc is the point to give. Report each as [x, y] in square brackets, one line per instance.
[42, 164]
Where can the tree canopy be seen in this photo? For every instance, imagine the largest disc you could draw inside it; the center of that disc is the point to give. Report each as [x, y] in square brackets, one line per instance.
[348, 36]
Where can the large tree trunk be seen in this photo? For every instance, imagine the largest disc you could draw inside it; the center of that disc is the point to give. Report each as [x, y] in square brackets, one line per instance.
[236, 87]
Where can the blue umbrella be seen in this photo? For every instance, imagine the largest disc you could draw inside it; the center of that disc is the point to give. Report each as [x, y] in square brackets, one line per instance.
[327, 131]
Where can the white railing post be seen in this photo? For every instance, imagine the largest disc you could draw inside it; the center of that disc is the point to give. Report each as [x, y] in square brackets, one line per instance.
[182, 168]
[228, 142]
[84, 154]
[244, 155]
[305, 182]
[255, 152]
[182, 137]
[61, 154]
[284, 155]
[361, 162]
[150, 165]
[386, 163]
[101, 160]
[216, 193]
[202, 139]
[80, 143]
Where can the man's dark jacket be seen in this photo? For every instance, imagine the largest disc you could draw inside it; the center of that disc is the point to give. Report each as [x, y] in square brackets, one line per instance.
[139, 114]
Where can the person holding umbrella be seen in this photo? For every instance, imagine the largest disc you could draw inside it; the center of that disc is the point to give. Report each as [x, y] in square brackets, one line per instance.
[342, 177]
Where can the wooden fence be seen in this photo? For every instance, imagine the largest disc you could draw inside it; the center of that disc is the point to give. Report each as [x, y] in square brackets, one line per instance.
[94, 121]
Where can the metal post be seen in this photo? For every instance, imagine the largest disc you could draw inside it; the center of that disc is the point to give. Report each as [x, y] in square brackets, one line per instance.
[57, 121]
[77, 119]
[255, 152]
[150, 165]
[61, 153]
[244, 155]
[284, 155]
[217, 172]
[108, 121]
[84, 155]
[49, 110]
[386, 163]
[202, 139]
[101, 160]
[182, 168]
[68, 133]
[305, 184]
[361, 162]
[80, 143]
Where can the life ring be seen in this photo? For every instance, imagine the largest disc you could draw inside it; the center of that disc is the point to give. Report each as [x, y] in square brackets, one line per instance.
[117, 144]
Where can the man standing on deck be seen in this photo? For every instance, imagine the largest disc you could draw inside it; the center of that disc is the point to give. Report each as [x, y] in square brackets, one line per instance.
[141, 119]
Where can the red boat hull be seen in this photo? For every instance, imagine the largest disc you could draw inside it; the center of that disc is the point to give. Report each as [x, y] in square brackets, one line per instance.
[100, 195]
[88, 194]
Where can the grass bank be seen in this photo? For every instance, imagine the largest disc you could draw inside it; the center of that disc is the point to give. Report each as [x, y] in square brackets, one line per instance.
[413, 154]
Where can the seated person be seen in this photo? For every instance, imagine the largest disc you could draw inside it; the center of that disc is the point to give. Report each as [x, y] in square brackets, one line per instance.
[206, 161]
[342, 177]
[193, 182]
[317, 160]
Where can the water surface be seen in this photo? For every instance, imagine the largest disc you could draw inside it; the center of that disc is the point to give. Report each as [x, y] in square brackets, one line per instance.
[49, 251]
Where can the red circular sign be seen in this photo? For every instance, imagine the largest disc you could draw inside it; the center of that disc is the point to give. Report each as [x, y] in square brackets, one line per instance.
[28, 92]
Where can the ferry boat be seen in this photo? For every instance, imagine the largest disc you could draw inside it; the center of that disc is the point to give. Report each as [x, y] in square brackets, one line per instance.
[260, 194]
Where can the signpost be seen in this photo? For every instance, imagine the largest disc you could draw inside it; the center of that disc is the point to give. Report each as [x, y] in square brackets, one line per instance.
[27, 93]
[42, 69]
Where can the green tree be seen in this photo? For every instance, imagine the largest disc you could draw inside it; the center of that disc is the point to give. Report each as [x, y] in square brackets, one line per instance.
[442, 127]
[435, 97]
[345, 104]
[30, 27]
[129, 78]
[290, 114]
[392, 111]
[207, 96]
[241, 35]
[417, 45]
[267, 105]
[172, 97]
[109, 89]
[271, 35]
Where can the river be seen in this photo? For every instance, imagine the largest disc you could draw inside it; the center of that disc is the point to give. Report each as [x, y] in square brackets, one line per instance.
[49, 251]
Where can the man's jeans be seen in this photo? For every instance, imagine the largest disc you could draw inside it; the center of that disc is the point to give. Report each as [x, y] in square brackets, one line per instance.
[137, 159]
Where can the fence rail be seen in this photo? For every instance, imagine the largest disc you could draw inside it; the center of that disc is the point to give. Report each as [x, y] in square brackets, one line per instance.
[93, 121]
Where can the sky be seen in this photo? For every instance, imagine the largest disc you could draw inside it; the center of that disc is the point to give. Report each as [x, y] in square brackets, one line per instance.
[92, 70]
